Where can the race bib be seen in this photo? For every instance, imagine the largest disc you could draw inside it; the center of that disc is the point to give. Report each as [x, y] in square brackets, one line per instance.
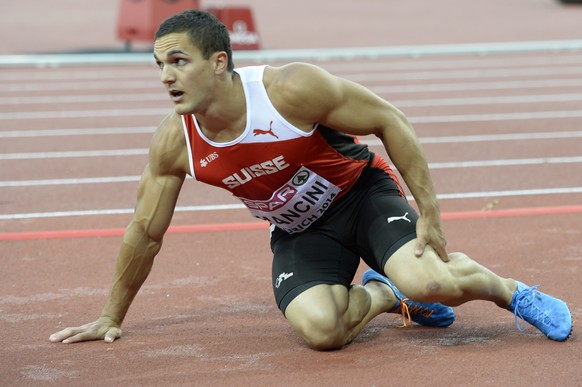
[298, 203]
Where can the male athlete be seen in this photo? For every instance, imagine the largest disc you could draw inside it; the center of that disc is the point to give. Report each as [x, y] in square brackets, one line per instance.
[283, 140]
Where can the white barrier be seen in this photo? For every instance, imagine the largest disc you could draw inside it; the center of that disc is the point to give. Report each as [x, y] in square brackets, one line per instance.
[123, 58]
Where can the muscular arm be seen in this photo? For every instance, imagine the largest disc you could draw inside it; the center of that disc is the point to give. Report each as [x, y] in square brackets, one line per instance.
[158, 192]
[142, 240]
[314, 95]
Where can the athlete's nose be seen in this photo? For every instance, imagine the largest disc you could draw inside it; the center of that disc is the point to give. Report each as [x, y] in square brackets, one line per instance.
[167, 75]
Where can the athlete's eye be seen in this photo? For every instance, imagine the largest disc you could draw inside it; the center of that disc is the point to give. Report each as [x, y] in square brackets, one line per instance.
[180, 62]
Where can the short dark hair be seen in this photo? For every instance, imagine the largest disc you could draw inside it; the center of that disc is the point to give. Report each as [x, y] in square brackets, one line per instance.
[204, 29]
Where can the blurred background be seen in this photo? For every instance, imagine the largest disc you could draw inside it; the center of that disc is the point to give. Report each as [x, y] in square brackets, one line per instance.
[55, 26]
[502, 133]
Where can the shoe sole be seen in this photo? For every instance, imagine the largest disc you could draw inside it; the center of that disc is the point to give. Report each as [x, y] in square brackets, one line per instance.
[569, 333]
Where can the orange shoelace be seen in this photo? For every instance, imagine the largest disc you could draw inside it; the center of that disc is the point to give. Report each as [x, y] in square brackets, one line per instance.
[407, 310]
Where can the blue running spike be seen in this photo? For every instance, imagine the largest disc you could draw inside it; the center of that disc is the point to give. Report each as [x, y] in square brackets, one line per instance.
[430, 314]
[550, 315]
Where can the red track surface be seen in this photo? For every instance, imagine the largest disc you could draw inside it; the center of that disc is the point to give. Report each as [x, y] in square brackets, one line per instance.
[206, 315]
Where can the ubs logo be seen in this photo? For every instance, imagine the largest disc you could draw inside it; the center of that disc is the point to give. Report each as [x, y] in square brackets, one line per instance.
[208, 159]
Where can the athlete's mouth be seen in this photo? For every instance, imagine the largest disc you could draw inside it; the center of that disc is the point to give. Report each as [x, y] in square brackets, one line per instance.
[175, 95]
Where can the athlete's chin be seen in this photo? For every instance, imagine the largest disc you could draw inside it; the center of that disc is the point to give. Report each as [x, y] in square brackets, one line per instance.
[181, 109]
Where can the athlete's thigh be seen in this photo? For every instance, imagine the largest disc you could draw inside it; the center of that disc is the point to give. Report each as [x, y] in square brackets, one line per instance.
[320, 305]
[386, 222]
[304, 260]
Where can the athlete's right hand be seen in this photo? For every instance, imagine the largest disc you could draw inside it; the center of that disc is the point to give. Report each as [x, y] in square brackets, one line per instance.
[102, 329]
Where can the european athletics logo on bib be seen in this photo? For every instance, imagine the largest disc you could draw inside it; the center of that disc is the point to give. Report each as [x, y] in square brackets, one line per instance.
[298, 203]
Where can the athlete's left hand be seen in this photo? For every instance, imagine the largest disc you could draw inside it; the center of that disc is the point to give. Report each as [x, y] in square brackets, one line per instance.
[430, 232]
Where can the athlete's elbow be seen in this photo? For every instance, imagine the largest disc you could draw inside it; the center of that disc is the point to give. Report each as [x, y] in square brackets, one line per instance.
[140, 231]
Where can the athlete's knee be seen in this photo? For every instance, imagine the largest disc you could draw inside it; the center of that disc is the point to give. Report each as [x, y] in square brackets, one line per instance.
[316, 316]
[321, 331]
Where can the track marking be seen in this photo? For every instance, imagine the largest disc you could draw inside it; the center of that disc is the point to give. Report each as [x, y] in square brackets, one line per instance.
[535, 115]
[367, 140]
[519, 116]
[505, 163]
[118, 211]
[380, 75]
[497, 100]
[72, 181]
[221, 227]
[85, 113]
[383, 76]
[144, 151]
[473, 86]
[341, 67]
[150, 83]
[69, 99]
[425, 87]
[69, 154]
[189, 229]
[143, 97]
[442, 165]
[238, 206]
[408, 51]
[76, 132]
[345, 67]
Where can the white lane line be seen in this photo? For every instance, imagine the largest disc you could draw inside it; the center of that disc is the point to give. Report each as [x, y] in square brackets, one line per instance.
[76, 132]
[506, 163]
[352, 53]
[365, 78]
[344, 66]
[369, 141]
[507, 193]
[85, 113]
[465, 74]
[91, 98]
[161, 112]
[519, 116]
[68, 74]
[369, 76]
[222, 207]
[141, 97]
[355, 66]
[71, 181]
[70, 154]
[113, 86]
[118, 211]
[495, 137]
[499, 100]
[432, 166]
[473, 86]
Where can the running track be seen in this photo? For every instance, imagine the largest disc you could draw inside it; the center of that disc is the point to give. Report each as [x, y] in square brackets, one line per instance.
[503, 134]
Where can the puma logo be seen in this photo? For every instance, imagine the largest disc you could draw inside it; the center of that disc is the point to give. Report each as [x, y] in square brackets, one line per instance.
[258, 132]
[395, 218]
[282, 277]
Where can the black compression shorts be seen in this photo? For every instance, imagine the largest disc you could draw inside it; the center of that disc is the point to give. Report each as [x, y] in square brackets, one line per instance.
[371, 221]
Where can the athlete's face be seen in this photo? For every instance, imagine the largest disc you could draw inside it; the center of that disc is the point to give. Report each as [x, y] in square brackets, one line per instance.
[187, 76]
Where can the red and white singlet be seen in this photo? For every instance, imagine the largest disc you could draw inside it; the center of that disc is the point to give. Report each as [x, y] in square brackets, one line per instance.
[281, 173]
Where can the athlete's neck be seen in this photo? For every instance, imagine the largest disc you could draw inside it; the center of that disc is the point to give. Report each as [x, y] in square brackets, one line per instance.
[225, 118]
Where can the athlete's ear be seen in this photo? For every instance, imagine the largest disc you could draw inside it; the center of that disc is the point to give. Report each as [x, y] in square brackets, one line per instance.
[220, 62]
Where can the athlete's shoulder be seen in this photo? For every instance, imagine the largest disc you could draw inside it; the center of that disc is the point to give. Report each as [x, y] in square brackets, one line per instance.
[168, 146]
[302, 91]
[296, 74]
